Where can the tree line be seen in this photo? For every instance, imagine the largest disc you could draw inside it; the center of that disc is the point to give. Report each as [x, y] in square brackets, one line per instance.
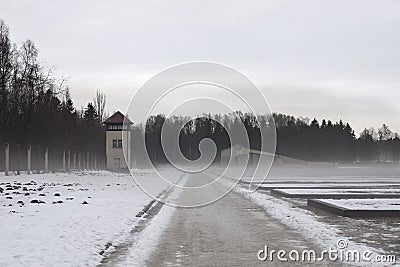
[298, 138]
[36, 108]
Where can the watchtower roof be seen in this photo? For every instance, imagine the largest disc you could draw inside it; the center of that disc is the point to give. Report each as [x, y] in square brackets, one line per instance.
[118, 118]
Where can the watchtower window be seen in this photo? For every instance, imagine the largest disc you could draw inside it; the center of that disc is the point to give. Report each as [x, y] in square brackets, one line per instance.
[114, 127]
[117, 143]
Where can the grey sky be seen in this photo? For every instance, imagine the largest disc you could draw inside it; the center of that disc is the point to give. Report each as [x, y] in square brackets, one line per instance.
[333, 59]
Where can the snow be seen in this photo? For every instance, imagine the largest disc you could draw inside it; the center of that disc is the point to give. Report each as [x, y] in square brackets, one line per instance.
[323, 185]
[324, 179]
[364, 204]
[312, 173]
[324, 229]
[297, 218]
[69, 233]
[309, 224]
[361, 191]
[148, 239]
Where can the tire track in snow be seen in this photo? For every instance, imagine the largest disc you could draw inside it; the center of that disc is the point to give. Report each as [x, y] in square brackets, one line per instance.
[114, 256]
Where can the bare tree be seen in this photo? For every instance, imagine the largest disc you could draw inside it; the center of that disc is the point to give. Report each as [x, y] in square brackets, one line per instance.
[5, 72]
[384, 133]
[100, 105]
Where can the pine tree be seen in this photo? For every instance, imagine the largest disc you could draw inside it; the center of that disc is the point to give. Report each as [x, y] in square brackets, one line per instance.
[90, 116]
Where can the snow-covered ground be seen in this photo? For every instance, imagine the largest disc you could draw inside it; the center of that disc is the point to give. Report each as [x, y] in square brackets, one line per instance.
[316, 173]
[365, 204]
[147, 241]
[326, 185]
[306, 222]
[343, 192]
[326, 234]
[68, 219]
[378, 235]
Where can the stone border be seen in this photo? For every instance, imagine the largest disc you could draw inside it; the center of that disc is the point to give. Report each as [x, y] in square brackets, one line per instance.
[278, 192]
[341, 211]
[282, 186]
[361, 183]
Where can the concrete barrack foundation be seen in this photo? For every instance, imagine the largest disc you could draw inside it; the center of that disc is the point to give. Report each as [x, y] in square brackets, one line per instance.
[352, 212]
[278, 192]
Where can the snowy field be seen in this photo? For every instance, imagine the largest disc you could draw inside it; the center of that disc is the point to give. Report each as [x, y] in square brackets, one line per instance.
[68, 219]
[330, 174]
[78, 219]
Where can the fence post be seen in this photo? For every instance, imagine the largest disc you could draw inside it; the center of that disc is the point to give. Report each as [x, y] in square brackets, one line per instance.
[79, 160]
[95, 162]
[46, 160]
[18, 158]
[69, 160]
[7, 159]
[38, 160]
[54, 165]
[29, 160]
[64, 161]
[74, 166]
[87, 160]
[92, 161]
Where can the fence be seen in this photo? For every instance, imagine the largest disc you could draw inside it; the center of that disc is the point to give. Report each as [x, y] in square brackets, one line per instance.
[37, 159]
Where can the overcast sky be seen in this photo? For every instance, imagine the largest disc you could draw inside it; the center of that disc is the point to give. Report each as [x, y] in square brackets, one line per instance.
[332, 59]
